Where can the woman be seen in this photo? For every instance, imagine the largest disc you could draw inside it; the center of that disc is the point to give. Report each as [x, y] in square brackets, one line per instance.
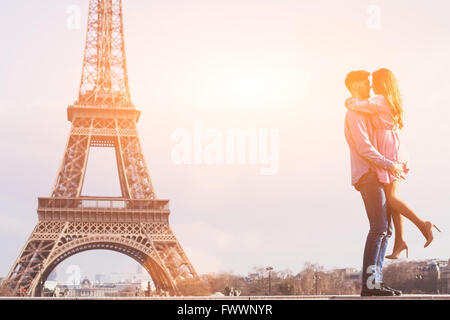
[386, 114]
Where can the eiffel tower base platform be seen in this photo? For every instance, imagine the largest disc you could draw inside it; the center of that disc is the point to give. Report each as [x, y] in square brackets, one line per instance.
[136, 228]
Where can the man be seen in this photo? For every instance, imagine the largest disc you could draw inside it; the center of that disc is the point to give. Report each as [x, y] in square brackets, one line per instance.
[364, 158]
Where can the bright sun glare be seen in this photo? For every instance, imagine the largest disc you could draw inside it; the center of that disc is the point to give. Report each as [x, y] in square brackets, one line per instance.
[250, 86]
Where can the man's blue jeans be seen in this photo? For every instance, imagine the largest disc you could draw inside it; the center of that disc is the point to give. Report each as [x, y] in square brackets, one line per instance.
[374, 198]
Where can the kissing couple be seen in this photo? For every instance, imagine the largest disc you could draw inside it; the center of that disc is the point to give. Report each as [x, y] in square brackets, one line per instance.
[378, 164]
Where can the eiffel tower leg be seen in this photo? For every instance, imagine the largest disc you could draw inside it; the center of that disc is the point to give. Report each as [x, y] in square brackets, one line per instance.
[133, 164]
[170, 255]
[71, 173]
[29, 266]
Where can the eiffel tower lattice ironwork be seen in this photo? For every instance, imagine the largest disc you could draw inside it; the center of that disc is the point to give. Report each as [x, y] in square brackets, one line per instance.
[136, 224]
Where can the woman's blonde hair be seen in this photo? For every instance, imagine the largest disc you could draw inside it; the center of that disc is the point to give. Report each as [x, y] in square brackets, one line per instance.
[385, 83]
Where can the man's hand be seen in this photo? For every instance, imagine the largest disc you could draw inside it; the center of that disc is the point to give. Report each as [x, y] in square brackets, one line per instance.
[397, 169]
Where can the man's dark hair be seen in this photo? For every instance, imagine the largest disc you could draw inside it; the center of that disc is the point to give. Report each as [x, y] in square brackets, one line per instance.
[356, 76]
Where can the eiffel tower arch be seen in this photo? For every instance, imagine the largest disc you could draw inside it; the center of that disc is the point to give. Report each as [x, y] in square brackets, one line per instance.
[135, 224]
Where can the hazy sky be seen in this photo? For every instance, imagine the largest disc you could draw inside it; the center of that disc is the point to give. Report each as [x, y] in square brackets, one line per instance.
[249, 64]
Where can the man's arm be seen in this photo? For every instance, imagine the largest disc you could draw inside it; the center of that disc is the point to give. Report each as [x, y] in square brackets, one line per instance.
[373, 105]
[363, 145]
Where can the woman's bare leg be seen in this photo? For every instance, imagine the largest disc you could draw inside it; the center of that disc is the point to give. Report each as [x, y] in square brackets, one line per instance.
[398, 227]
[399, 243]
[401, 208]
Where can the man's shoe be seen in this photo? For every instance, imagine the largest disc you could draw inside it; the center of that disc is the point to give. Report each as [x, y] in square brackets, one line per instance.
[381, 292]
[396, 292]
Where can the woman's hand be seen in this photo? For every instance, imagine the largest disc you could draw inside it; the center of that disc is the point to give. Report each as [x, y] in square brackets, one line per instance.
[397, 169]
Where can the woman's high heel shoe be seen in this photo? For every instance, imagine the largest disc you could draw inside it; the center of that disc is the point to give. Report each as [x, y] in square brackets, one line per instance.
[396, 253]
[429, 233]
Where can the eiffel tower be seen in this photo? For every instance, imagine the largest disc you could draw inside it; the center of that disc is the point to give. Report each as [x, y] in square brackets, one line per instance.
[135, 224]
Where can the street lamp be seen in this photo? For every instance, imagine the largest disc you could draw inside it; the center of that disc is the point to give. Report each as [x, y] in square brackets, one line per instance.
[270, 279]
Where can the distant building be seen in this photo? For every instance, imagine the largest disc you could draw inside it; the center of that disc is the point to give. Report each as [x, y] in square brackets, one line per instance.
[445, 279]
[88, 289]
[435, 264]
[434, 273]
